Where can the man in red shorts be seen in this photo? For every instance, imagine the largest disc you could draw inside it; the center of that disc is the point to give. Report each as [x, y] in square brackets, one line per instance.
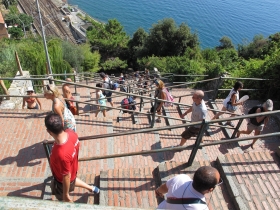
[64, 159]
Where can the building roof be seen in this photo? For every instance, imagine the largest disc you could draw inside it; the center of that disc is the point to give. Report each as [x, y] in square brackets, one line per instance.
[1, 18]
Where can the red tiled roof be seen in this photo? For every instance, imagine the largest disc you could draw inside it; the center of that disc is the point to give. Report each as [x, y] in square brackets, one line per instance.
[1, 18]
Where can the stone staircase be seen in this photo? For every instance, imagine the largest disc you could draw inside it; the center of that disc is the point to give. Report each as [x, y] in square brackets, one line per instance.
[131, 181]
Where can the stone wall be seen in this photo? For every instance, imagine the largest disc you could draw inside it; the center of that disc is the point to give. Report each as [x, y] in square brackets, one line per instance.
[18, 87]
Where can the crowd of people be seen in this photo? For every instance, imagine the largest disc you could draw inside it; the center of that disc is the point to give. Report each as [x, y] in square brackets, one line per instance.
[181, 191]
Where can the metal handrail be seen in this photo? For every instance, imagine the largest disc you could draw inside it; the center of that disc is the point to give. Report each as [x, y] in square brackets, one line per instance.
[147, 130]
[177, 148]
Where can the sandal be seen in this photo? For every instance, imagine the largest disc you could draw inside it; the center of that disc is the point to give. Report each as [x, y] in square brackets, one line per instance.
[158, 120]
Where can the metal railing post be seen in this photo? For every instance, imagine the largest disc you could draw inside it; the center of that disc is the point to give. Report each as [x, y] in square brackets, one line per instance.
[154, 113]
[236, 128]
[141, 101]
[47, 151]
[217, 88]
[203, 128]
[75, 84]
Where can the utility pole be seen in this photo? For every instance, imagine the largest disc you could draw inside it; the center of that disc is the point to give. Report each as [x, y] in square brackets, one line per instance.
[23, 27]
[44, 38]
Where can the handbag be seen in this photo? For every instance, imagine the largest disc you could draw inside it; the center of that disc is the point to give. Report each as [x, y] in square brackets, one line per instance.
[74, 110]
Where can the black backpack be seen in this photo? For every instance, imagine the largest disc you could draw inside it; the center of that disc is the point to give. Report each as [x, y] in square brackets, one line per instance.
[253, 111]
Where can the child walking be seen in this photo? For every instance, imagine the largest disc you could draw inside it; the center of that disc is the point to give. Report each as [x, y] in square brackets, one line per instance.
[101, 101]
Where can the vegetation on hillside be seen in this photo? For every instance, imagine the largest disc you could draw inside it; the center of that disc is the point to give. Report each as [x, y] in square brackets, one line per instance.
[166, 46]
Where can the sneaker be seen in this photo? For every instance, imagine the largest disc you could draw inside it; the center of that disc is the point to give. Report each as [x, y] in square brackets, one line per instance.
[95, 190]
[230, 124]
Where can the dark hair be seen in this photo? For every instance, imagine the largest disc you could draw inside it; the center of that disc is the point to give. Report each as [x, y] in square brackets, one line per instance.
[238, 85]
[102, 75]
[99, 85]
[53, 122]
[205, 178]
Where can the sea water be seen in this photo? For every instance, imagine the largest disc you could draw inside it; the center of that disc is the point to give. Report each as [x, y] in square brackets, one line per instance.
[240, 20]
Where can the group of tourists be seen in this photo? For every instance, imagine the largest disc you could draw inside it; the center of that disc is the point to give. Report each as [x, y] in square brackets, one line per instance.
[181, 191]
[199, 113]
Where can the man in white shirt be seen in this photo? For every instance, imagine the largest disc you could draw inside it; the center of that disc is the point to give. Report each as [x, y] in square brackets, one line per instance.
[199, 113]
[184, 193]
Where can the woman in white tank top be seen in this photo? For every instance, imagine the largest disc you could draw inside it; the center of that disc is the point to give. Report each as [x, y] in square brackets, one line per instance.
[231, 102]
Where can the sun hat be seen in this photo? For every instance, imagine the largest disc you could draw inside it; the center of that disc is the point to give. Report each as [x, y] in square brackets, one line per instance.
[268, 105]
[30, 89]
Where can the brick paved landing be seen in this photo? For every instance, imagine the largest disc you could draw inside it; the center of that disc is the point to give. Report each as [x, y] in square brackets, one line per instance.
[253, 179]
[132, 187]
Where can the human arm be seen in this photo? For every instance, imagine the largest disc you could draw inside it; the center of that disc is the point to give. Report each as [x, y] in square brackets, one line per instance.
[57, 110]
[261, 118]
[188, 111]
[66, 187]
[23, 103]
[233, 100]
[39, 102]
[161, 190]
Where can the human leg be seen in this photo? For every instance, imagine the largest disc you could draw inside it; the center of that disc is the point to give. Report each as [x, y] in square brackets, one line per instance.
[257, 132]
[82, 184]
[104, 113]
[219, 113]
[187, 134]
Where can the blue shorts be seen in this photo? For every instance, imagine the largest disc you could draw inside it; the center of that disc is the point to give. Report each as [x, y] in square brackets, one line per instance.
[109, 94]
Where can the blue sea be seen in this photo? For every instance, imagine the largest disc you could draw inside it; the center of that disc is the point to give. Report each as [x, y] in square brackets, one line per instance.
[240, 20]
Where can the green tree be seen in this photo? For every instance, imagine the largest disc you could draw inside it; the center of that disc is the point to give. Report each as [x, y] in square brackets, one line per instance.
[16, 33]
[73, 54]
[255, 49]
[225, 43]
[114, 63]
[110, 39]
[166, 39]
[91, 60]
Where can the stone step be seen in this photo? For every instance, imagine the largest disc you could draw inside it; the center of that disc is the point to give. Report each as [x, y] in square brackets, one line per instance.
[252, 179]
[128, 187]
[28, 203]
[218, 200]
[79, 195]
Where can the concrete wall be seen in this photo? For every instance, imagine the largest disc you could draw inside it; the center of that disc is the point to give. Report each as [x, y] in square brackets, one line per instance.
[18, 87]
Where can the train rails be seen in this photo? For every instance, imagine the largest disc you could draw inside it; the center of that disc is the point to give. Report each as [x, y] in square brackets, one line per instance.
[51, 18]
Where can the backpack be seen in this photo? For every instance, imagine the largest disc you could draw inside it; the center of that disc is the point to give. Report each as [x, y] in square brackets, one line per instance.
[125, 104]
[169, 98]
[253, 111]
[111, 85]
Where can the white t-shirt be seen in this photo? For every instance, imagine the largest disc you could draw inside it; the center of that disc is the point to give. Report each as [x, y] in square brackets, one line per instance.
[229, 97]
[199, 113]
[181, 186]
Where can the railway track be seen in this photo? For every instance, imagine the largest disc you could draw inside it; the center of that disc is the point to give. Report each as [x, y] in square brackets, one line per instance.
[51, 18]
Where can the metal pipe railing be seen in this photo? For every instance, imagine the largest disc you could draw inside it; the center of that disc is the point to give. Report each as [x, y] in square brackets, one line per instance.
[177, 148]
[147, 130]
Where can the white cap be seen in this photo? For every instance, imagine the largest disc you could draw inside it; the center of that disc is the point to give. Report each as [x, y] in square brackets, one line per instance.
[268, 105]
[29, 89]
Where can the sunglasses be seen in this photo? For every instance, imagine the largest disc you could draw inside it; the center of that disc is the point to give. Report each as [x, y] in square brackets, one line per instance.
[220, 182]
[48, 88]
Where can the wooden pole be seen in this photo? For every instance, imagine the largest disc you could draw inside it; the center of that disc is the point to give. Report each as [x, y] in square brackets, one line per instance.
[2, 84]
[18, 64]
